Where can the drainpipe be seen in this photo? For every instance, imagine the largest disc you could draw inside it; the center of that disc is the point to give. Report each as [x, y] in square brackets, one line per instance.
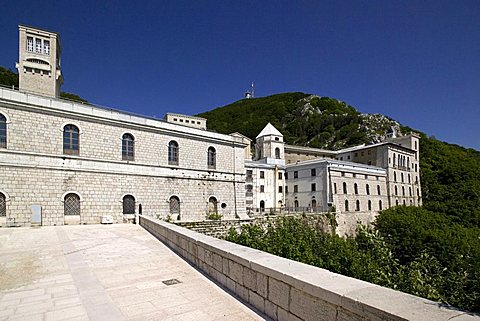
[234, 178]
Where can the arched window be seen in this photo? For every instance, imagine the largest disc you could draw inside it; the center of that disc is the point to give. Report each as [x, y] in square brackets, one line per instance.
[173, 153]
[174, 203]
[344, 188]
[277, 153]
[128, 147]
[355, 187]
[211, 158]
[262, 205]
[212, 205]
[71, 204]
[346, 205]
[71, 140]
[404, 203]
[3, 205]
[314, 204]
[357, 203]
[403, 190]
[396, 202]
[128, 204]
[410, 191]
[408, 178]
[369, 205]
[402, 177]
[367, 188]
[418, 192]
[378, 190]
[394, 176]
[396, 190]
[380, 205]
[3, 131]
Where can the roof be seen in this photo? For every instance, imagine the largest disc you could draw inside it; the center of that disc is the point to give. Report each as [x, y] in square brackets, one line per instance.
[269, 130]
[363, 146]
[240, 135]
[311, 150]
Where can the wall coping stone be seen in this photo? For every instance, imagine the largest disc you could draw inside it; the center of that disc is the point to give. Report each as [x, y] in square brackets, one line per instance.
[362, 299]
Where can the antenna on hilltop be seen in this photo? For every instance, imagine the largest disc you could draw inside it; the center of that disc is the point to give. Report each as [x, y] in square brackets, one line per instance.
[251, 93]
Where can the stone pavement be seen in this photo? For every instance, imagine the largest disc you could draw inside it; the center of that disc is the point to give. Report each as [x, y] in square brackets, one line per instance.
[104, 272]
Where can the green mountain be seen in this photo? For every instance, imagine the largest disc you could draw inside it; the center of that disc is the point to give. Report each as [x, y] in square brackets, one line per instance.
[450, 174]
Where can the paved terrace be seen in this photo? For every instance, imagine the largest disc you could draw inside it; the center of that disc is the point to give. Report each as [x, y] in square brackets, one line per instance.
[99, 272]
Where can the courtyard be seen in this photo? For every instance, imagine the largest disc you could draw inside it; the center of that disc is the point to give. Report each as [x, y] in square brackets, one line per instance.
[104, 272]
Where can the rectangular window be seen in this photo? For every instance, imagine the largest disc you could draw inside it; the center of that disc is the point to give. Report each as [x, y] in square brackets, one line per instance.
[286, 189]
[295, 188]
[314, 187]
[286, 176]
[280, 189]
[38, 45]
[343, 173]
[335, 188]
[30, 44]
[262, 188]
[295, 174]
[249, 173]
[280, 175]
[313, 172]
[46, 47]
[262, 174]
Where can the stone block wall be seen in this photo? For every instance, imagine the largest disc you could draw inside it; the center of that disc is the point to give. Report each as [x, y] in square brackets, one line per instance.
[284, 290]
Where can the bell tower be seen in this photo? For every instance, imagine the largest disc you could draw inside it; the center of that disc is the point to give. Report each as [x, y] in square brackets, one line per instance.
[39, 61]
[270, 146]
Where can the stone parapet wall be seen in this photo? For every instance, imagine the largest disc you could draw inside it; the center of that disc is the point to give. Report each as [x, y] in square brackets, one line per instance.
[284, 289]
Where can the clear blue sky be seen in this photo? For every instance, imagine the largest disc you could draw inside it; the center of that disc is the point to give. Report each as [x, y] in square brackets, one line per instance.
[415, 61]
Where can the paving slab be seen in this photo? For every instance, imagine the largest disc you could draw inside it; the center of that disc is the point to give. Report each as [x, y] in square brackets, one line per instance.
[104, 272]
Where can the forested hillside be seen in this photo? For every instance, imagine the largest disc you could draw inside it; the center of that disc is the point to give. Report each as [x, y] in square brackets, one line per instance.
[432, 251]
[450, 174]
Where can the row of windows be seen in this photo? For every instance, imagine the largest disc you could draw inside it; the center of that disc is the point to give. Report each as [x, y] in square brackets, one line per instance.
[262, 174]
[71, 144]
[357, 205]
[313, 172]
[409, 191]
[355, 188]
[72, 205]
[402, 178]
[38, 45]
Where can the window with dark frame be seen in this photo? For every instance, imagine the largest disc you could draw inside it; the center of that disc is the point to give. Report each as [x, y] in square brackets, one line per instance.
[128, 147]
[174, 205]
[173, 153]
[71, 204]
[71, 140]
[211, 158]
[313, 172]
[295, 174]
[3, 205]
[128, 204]
[262, 174]
[295, 188]
[262, 188]
[314, 187]
[3, 131]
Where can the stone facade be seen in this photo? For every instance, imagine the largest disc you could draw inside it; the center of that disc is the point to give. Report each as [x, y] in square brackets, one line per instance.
[36, 170]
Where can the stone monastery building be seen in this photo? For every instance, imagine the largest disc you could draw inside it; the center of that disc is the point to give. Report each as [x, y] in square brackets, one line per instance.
[65, 162]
